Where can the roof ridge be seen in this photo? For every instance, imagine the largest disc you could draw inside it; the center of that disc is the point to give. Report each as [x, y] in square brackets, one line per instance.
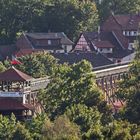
[25, 35]
[20, 72]
[116, 20]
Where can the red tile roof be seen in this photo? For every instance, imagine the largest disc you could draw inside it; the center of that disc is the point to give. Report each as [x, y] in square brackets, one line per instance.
[13, 74]
[13, 104]
[124, 42]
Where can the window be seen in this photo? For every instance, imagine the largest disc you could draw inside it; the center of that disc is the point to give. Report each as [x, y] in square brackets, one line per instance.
[101, 50]
[123, 32]
[132, 33]
[135, 33]
[127, 33]
[65, 49]
[49, 42]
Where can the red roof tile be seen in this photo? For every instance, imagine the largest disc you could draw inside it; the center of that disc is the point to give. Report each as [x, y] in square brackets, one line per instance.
[121, 38]
[13, 74]
[13, 104]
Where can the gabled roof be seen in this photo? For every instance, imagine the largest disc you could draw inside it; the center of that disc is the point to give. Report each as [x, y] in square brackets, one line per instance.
[95, 59]
[122, 40]
[13, 74]
[13, 104]
[93, 38]
[59, 35]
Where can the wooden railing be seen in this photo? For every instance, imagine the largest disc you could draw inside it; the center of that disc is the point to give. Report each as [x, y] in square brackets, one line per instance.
[39, 83]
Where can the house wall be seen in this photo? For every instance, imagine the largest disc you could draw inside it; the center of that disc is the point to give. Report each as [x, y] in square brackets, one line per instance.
[45, 42]
[82, 44]
[67, 47]
[130, 33]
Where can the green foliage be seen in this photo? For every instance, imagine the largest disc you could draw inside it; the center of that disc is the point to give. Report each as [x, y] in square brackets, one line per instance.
[121, 130]
[38, 64]
[36, 125]
[2, 67]
[87, 118]
[61, 129]
[7, 127]
[117, 7]
[82, 16]
[129, 90]
[21, 133]
[76, 85]
[18, 16]
[84, 116]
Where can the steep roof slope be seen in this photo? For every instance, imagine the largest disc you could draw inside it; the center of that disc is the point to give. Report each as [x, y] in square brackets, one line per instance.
[13, 74]
[95, 59]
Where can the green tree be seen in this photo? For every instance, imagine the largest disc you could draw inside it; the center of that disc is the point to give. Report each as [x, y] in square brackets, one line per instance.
[75, 85]
[89, 120]
[117, 7]
[35, 126]
[21, 133]
[17, 16]
[129, 90]
[81, 17]
[38, 64]
[121, 130]
[2, 67]
[7, 127]
[60, 129]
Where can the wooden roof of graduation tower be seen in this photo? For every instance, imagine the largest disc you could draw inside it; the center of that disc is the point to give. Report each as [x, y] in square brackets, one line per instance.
[14, 75]
[13, 104]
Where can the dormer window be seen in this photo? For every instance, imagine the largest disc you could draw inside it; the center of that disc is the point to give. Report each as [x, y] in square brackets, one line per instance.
[49, 42]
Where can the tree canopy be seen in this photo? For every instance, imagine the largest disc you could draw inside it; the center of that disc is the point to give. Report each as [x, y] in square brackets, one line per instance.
[117, 7]
[18, 16]
[129, 90]
[38, 64]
